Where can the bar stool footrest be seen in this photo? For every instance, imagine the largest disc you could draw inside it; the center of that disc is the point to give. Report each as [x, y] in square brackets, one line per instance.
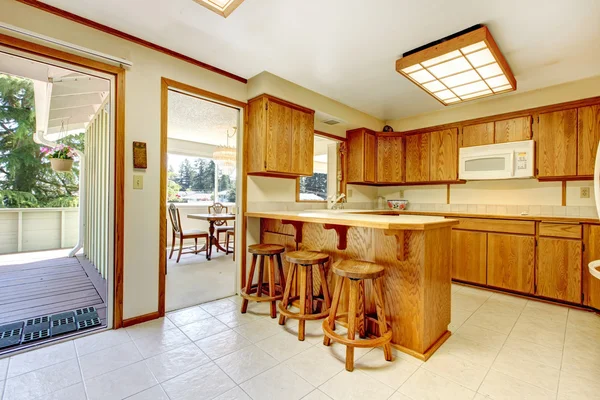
[363, 343]
[307, 317]
[252, 296]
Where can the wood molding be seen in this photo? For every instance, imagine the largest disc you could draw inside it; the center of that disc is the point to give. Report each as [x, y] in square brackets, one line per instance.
[297, 227]
[330, 136]
[141, 318]
[122, 35]
[342, 234]
[166, 85]
[282, 102]
[119, 149]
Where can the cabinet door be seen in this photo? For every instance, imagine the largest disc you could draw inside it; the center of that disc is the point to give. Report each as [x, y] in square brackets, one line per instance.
[469, 256]
[444, 155]
[591, 285]
[370, 157]
[417, 158]
[279, 138]
[390, 159]
[303, 143]
[512, 130]
[588, 136]
[477, 135]
[511, 260]
[557, 143]
[559, 269]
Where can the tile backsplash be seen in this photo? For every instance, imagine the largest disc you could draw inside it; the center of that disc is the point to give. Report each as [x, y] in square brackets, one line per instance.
[499, 209]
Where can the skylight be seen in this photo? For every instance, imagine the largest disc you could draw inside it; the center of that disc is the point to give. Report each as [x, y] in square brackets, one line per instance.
[465, 66]
[221, 7]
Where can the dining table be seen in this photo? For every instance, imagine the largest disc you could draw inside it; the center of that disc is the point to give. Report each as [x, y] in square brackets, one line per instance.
[213, 219]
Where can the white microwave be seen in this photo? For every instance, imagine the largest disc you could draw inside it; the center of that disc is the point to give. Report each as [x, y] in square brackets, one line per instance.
[514, 160]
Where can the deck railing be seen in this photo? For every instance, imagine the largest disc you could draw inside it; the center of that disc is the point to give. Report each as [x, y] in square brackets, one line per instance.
[34, 229]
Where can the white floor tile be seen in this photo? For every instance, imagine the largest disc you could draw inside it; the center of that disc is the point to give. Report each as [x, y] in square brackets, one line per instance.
[316, 365]
[187, 316]
[489, 318]
[107, 360]
[530, 330]
[151, 345]
[3, 368]
[205, 382]
[500, 386]
[101, 340]
[175, 362]
[355, 385]
[258, 330]
[392, 373]
[459, 370]
[75, 392]
[283, 346]
[316, 395]
[469, 350]
[525, 369]
[277, 383]
[245, 363]
[41, 382]
[219, 307]
[153, 327]
[533, 352]
[574, 387]
[467, 302]
[154, 393]
[482, 336]
[203, 329]
[458, 317]
[399, 396]
[223, 343]
[339, 351]
[236, 299]
[40, 358]
[424, 384]
[120, 383]
[234, 394]
[236, 318]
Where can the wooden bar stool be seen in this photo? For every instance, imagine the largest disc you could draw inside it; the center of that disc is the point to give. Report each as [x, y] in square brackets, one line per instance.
[356, 272]
[272, 289]
[301, 265]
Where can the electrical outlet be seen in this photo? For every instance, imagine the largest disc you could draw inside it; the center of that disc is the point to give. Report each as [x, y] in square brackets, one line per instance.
[138, 182]
[349, 193]
[584, 192]
[401, 194]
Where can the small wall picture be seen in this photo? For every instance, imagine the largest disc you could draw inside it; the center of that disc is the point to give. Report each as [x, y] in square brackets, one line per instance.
[140, 160]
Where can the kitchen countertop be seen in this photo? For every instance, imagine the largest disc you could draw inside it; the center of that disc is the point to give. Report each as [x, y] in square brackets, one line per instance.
[360, 218]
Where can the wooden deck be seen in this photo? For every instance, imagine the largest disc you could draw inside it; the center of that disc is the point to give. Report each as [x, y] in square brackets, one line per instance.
[46, 287]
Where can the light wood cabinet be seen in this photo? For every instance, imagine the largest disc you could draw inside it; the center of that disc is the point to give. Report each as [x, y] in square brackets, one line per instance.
[559, 269]
[477, 135]
[417, 158]
[280, 138]
[390, 159]
[469, 256]
[588, 136]
[591, 285]
[362, 152]
[557, 143]
[443, 155]
[512, 130]
[510, 262]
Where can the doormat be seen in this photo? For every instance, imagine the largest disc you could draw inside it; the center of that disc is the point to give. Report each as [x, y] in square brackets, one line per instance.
[10, 334]
[62, 323]
[87, 317]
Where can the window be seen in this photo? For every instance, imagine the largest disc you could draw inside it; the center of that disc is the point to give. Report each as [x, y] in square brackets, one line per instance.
[323, 182]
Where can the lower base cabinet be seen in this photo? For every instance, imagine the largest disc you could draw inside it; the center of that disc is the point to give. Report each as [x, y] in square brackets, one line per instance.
[591, 285]
[559, 269]
[468, 256]
[510, 262]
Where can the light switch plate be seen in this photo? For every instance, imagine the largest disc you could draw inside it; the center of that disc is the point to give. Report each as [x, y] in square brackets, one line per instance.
[401, 194]
[349, 193]
[584, 192]
[138, 182]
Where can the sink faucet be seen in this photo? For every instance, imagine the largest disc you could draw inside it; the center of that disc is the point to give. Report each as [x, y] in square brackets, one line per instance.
[336, 202]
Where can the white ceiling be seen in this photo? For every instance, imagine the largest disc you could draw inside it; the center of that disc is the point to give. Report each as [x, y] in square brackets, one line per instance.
[346, 49]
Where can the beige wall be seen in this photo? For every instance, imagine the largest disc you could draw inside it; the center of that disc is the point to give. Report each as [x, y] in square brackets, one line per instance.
[142, 123]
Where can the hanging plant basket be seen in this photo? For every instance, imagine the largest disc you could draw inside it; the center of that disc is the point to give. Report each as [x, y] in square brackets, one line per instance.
[61, 165]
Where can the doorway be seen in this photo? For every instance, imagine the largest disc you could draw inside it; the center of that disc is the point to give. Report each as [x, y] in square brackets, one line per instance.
[56, 249]
[202, 196]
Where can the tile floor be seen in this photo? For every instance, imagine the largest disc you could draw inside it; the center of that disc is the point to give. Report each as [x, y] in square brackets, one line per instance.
[502, 347]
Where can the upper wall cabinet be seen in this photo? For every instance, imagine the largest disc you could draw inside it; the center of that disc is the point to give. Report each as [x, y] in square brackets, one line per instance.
[390, 158]
[477, 135]
[362, 151]
[507, 130]
[588, 136]
[443, 155]
[557, 144]
[280, 138]
[417, 158]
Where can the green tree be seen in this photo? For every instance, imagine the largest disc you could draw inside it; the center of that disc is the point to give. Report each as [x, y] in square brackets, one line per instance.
[315, 184]
[26, 178]
[172, 187]
[186, 175]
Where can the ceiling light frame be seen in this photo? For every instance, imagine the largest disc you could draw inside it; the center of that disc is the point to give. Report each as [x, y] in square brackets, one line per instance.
[465, 52]
[223, 11]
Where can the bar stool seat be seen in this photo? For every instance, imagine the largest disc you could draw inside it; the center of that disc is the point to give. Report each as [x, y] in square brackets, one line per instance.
[356, 272]
[301, 263]
[272, 290]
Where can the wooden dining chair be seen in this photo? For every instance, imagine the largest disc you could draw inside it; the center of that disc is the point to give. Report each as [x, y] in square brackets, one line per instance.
[178, 232]
[230, 234]
[221, 227]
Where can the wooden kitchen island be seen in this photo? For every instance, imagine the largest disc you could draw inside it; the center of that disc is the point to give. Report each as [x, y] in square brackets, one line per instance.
[415, 251]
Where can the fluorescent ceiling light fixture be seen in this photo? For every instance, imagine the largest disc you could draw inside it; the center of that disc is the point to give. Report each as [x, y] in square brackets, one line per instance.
[221, 7]
[465, 66]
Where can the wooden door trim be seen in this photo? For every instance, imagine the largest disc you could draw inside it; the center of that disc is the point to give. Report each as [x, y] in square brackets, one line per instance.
[166, 85]
[119, 149]
[122, 35]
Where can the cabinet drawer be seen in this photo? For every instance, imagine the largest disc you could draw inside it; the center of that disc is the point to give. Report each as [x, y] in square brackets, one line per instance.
[497, 225]
[553, 229]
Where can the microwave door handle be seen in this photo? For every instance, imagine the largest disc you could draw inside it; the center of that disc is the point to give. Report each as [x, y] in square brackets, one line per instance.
[512, 164]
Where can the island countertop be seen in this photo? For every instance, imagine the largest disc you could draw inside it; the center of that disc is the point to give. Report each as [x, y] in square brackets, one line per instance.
[358, 219]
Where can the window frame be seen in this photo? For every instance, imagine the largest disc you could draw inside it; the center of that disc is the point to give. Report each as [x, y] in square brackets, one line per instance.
[342, 141]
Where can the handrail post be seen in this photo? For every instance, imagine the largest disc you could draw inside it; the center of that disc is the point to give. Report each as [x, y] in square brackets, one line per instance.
[19, 231]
